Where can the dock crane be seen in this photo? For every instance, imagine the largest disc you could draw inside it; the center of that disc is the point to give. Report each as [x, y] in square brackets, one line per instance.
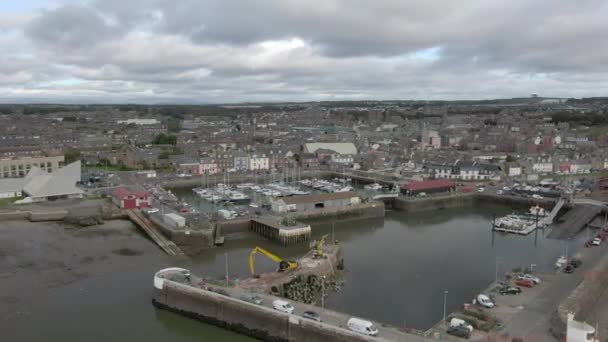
[318, 249]
[284, 265]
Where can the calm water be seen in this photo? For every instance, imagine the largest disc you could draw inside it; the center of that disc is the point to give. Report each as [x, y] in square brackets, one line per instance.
[397, 270]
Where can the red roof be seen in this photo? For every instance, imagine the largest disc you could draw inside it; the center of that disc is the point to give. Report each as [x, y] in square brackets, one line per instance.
[122, 193]
[428, 184]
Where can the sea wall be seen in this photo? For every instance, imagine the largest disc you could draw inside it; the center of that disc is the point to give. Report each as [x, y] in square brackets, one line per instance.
[457, 200]
[352, 212]
[433, 203]
[582, 300]
[190, 240]
[249, 319]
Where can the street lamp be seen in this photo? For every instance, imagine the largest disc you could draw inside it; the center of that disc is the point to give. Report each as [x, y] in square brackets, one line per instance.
[445, 299]
[496, 270]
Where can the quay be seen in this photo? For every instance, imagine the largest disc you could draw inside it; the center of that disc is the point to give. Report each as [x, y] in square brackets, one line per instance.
[175, 289]
[543, 222]
[286, 232]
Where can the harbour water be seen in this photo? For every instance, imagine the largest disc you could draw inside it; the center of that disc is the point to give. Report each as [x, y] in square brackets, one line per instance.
[397, 270]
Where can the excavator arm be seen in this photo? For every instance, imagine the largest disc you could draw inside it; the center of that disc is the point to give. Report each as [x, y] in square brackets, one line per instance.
[284, 265]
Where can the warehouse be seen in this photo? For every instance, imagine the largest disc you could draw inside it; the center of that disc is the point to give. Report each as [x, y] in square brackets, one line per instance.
[309, 203]
[428, 187]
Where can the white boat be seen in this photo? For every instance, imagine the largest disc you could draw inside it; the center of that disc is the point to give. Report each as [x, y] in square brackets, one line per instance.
[373, 186]
[244, 186]
[298, 192]
[561, 261]
[345, 189]
[537, 210]
[238, 198]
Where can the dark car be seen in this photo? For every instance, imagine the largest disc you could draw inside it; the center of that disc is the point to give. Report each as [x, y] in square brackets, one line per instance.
[569, 269]
[576, 263]
[312, 315]
[510, 290]
[459, 331]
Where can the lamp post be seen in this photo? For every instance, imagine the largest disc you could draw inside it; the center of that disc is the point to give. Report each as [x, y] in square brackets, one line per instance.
[445, 300]
[496, 270]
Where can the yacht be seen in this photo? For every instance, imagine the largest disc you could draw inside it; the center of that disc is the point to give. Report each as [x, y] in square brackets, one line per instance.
[537, 210]
[374, 186]
[345, 189]
[238, 198]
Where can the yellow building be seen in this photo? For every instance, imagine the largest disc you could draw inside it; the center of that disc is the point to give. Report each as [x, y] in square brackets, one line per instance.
[19, 167]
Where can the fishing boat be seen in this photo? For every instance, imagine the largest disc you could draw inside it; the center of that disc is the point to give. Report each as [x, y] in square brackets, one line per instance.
[373, 186]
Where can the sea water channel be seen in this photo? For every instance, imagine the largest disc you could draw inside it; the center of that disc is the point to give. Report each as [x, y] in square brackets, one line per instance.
[397, 269]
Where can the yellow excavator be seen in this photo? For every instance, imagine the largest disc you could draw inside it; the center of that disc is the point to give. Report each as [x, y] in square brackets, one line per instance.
[284, 265]
[318, 251]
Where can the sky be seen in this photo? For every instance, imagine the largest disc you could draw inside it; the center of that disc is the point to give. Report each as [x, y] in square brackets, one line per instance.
[230, 51]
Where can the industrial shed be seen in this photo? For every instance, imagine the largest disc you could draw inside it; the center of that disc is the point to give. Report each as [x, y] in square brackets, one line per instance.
[315, 202]
[428, 187]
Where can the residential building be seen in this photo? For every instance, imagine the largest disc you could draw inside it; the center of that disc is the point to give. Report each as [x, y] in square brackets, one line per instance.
[430, 139]
[208, 166]
[258, 162]
[464, 170]
[241, 161]
[19, 167]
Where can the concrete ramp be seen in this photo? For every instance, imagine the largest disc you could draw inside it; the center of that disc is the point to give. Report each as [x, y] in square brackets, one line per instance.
[149, 228]
[574, 221]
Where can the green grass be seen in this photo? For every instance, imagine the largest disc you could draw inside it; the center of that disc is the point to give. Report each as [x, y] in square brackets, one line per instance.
[7, 201]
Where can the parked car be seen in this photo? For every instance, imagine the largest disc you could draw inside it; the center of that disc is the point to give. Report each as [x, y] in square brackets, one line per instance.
[524, 282]
[506, 188]
[596, 242]
[499, 192]
[485, 301]
[576, 263]
[510, 290]
[536, 196]
[457, 322]
[481, 189]
[152, 211]
[252, 298]
[528, 276]
[312, 315]
[362, 326]
[459, 332]
[282, 306]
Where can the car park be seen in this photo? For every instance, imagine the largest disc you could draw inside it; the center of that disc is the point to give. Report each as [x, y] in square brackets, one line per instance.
[252, 298]
[524, 282]
[528, 276]
[459, 331]
[312, 315]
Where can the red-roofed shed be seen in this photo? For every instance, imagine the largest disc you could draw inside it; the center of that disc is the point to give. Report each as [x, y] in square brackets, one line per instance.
[125, 199]
[428, 186]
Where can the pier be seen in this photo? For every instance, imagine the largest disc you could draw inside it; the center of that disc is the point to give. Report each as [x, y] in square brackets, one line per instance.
[175, 289]
[137, 217]
[273, 228]
[543, 222]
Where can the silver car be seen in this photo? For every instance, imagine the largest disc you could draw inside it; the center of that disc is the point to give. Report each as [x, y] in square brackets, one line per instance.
[251, 298]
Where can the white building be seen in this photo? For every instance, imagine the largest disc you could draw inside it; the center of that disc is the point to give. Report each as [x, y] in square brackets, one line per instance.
[39, 185]
[342, 159]
[340, 148]
[514, 171]
[259, 162]
[542, 167]
[139, 122]
[579, 331]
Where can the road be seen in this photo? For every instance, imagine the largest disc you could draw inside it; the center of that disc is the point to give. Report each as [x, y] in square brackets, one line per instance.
[328, 317]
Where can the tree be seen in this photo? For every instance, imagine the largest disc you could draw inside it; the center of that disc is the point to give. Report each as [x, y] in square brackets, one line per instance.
[163, 139]
[173, 125]
[71, 155]
[510, 159]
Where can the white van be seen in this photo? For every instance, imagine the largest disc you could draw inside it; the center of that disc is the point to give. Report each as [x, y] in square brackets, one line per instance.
[362, 326]
[485, 301]
[282, 306]
[457, 322]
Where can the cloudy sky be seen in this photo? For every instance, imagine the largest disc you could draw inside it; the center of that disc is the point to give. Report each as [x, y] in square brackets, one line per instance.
[210, 51]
